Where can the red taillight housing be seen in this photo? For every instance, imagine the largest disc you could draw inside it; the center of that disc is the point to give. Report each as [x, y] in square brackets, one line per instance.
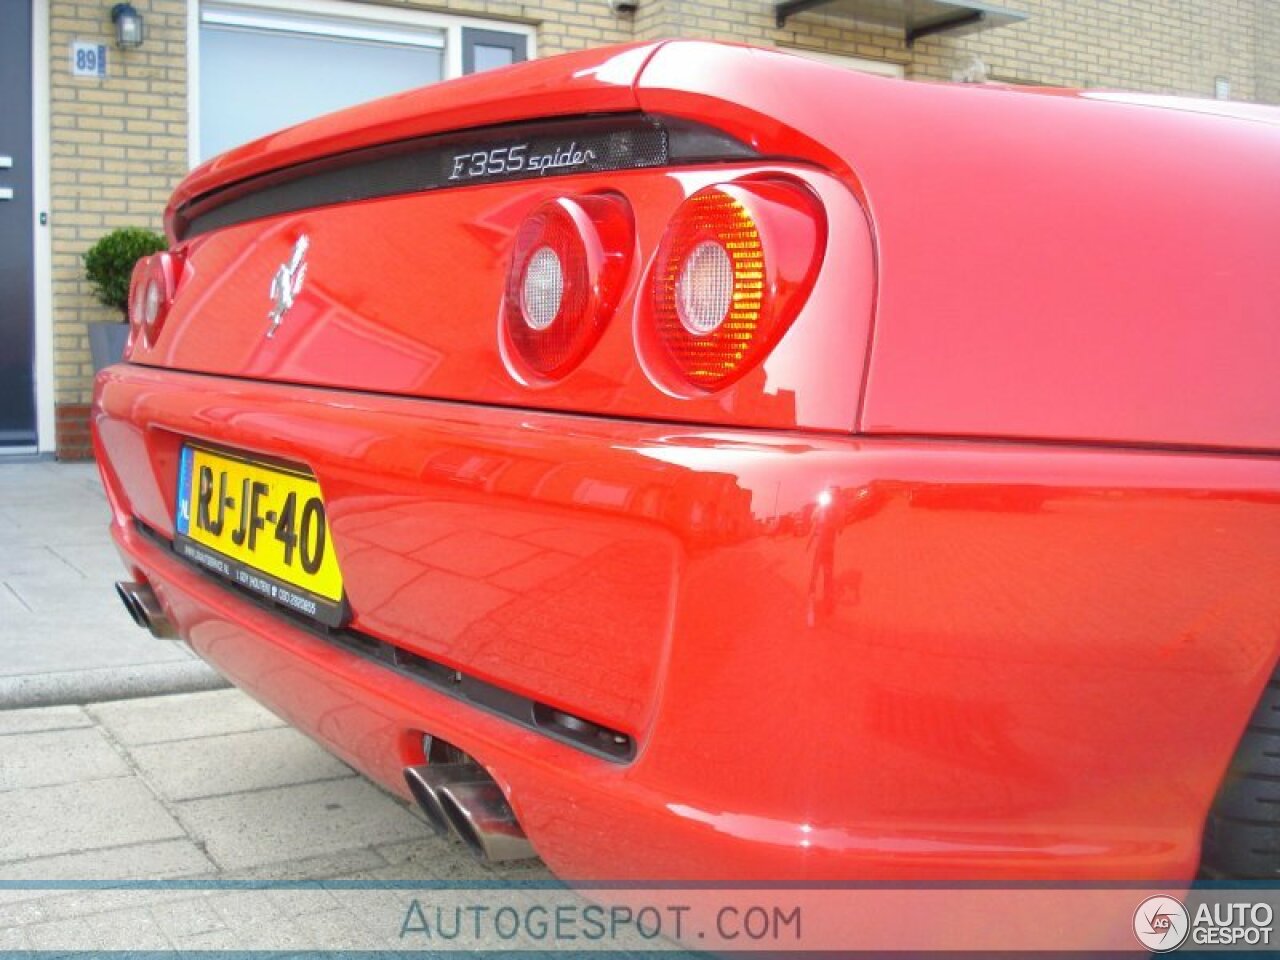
[568, 269]
[731, 274]
[151, 290]
[137, 290]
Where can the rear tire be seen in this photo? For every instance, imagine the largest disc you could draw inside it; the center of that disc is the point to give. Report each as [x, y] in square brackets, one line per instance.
[1242, 834]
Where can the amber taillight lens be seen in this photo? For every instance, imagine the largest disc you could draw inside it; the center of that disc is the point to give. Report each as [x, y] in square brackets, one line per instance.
[568, 269]
[732, 271]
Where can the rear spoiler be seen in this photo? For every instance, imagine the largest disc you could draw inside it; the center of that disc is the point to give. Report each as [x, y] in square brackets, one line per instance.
[534, 150]
[401, 140]
[597, 81]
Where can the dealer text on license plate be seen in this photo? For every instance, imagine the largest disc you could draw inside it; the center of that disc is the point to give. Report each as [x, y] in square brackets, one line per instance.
[261, 526]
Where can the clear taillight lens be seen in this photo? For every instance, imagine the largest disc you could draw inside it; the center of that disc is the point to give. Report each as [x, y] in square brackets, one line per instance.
[731, 273]
[705, 288]
[152, 301]
[570, 263]
[542, 289]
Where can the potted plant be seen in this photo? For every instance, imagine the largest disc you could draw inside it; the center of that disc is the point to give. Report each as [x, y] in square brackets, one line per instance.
[109, 266]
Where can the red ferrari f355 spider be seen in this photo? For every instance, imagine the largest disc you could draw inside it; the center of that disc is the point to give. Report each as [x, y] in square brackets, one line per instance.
[689, 461]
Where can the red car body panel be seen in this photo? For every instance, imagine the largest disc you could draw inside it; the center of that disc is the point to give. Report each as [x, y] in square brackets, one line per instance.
[840, 654]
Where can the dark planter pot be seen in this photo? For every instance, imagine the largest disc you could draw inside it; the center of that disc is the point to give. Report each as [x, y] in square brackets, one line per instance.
[106, 343]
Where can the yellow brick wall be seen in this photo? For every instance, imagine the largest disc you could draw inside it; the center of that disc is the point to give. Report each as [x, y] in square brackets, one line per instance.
[1178, 46]
[1266, 46]
[120, 144]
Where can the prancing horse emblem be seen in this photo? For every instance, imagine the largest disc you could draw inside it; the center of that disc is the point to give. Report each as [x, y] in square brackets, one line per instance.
[287, 284]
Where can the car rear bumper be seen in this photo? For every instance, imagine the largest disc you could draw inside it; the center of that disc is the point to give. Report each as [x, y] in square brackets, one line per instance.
[835, 658]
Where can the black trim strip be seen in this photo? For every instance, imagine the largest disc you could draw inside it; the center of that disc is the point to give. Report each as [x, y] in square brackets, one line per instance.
[600, 741]
[525, 151]
[328, 612]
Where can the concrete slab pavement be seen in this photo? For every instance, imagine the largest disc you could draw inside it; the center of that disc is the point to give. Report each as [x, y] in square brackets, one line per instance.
[64, 636]
[207, 786]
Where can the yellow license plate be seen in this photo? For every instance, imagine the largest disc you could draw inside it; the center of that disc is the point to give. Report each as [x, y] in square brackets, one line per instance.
[261, 526]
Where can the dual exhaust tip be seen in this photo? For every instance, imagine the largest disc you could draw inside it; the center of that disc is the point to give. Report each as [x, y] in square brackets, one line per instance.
[456, 797]
[463, 799]
[144, 607]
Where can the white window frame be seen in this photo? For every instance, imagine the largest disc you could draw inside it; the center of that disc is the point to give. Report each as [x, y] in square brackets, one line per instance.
[347, 19]
[371, 30]
[880, 68]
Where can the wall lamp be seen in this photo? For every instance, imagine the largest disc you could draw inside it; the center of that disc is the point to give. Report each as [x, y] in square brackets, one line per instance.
[129, 27]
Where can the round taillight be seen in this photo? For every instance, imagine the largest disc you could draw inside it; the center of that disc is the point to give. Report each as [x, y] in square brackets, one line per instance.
[159, 284]
[729, 277]
[568, 268]
[137, 294]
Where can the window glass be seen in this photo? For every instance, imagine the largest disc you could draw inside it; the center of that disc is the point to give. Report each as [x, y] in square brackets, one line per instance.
[258, 75]
[487, 49]
[488, 57]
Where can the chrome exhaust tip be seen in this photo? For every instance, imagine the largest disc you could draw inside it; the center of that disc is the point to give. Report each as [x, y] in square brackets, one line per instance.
[425, 783]
[143, 606]
[480, 815]
[124, 592]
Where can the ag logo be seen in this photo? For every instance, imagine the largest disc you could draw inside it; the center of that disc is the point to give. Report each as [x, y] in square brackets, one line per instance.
[1161, 924]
